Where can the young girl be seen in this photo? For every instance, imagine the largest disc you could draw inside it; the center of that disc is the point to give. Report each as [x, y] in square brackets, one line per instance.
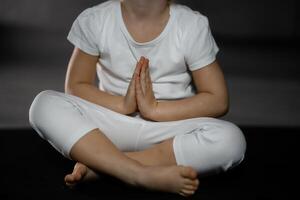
[151, 122]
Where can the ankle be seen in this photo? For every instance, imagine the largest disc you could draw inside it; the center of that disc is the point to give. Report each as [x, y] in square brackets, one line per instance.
[142, 175]
[134, 174]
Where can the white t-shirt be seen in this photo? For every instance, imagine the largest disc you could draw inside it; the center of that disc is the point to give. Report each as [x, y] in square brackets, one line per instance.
[185, 44]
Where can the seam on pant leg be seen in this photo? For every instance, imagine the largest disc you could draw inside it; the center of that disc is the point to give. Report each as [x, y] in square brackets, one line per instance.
[84, 127]
[180, 160]
[177, 147]
[83, 106]
[99, 107]
[121, 117]
[87, 127]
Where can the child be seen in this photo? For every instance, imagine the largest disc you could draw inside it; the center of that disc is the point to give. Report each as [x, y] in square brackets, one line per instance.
[151, 122]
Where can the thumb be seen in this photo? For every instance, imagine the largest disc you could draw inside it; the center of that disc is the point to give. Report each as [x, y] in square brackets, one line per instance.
[131, 87]
[138, 67]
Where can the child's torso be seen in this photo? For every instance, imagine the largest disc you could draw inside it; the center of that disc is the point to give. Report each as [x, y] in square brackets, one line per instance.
[120, 51]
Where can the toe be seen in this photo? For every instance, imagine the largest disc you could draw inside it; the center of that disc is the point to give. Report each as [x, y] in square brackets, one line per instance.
[77, 177]
[69, 178]
[188, 172]
[182, 194]
[186, 193]
[191, 184]
[190, 187]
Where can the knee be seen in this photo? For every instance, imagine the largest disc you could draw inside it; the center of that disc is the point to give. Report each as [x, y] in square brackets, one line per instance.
[232, 145]
[40, 110]
[213, 147]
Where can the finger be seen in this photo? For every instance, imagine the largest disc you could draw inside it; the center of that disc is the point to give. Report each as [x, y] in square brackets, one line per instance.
[143, 76]
[138, 67]
[138, 88]
[148, 78]
[135, 74]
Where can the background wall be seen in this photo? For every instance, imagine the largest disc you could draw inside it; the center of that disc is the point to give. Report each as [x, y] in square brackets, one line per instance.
[258, 42]
[235, 18]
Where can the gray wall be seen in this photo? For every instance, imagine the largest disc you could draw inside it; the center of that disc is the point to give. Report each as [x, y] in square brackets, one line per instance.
[28, 25]
[257, 38]
[236, 18]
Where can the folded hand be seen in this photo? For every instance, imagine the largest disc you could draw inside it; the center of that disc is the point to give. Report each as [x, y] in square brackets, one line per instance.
[146, 102]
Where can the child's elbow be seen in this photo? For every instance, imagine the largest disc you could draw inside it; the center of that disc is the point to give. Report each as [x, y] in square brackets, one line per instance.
[223, 108]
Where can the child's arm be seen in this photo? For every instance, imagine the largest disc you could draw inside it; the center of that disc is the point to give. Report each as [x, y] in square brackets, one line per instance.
[211, 99]
[80, 80]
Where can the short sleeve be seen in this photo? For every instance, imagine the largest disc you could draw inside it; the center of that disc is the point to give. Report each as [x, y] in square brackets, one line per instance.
[83, 33]
[200, 46]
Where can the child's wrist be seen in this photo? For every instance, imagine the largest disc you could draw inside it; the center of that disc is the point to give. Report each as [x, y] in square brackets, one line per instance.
[124, 108]
[154, 113]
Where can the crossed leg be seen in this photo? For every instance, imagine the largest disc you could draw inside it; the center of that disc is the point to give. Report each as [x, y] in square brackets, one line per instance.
[159, 154]
[153, 168]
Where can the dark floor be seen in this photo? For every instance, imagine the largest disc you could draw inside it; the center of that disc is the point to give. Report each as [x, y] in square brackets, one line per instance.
[31, 169]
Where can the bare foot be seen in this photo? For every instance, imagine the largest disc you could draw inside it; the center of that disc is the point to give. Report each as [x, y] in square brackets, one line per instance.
[175, 179]
[80, 173]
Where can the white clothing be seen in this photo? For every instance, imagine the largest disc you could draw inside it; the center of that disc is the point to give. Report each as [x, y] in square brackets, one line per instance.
[208, 145]
[186, 44]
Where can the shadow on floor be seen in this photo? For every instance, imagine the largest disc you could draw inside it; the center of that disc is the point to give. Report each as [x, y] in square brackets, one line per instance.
[32, 169]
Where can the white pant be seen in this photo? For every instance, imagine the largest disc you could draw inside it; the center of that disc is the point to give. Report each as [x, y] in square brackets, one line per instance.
[206, 144]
